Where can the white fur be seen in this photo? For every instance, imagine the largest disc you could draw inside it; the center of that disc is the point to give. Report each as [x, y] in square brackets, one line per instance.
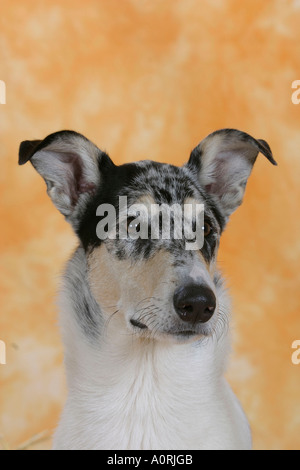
[126, 392]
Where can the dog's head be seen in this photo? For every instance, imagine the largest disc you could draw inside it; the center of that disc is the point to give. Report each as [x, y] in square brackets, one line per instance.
[158, 285]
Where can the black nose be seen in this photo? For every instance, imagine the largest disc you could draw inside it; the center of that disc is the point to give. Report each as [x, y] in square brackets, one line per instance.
[195, 303]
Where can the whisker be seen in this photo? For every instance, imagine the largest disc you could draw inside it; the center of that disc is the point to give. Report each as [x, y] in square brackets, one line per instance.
[148, 298]
[110, 318]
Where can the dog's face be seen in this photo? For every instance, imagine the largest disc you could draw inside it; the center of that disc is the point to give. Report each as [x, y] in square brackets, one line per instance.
[157, 284]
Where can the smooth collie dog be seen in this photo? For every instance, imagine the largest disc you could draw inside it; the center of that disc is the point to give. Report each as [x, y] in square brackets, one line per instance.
[144, 319]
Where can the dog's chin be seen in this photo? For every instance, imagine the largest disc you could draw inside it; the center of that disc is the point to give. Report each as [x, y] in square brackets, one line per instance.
[187, 336]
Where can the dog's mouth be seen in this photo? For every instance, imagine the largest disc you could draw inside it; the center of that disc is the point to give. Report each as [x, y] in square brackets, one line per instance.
[138, 324]
[181, 334]
[186, 333]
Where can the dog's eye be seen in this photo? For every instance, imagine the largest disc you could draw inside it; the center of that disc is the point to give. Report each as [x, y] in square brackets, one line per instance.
[207, 229]
[133, 226]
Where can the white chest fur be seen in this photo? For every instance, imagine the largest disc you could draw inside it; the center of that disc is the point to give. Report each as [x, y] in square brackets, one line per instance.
[128, 393]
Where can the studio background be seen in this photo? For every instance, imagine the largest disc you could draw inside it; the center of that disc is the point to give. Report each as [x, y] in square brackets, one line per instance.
[148, 80]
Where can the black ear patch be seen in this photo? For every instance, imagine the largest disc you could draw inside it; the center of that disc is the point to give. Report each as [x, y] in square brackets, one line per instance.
[27, 150]
[265, 149]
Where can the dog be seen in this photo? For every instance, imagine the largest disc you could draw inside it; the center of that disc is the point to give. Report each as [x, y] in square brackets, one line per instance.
[145, 323]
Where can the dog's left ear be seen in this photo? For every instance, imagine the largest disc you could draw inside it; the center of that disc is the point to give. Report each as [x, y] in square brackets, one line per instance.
[223, 162]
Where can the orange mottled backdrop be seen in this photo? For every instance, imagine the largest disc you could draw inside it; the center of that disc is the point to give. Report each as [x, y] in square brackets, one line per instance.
[150, 79]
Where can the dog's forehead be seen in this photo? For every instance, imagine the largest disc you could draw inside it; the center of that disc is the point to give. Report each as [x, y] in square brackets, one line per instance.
[164, 182]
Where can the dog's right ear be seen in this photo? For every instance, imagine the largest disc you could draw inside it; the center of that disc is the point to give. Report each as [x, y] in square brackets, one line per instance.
[71, 166]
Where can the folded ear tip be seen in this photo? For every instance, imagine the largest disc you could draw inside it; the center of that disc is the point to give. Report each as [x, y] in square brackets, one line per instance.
[27, 150]
[266, 150]
[23, 152]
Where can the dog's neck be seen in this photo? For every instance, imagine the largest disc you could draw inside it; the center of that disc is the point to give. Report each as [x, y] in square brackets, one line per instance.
[136, 391]
[120, 352]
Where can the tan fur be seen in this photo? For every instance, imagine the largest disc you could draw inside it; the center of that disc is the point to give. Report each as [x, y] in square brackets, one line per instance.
[122, 284]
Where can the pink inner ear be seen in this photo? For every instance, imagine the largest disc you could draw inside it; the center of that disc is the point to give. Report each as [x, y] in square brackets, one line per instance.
[86, 187]
[221, 175]
[76, 183]
[208, 188]
[229, 170]
[217, 189]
